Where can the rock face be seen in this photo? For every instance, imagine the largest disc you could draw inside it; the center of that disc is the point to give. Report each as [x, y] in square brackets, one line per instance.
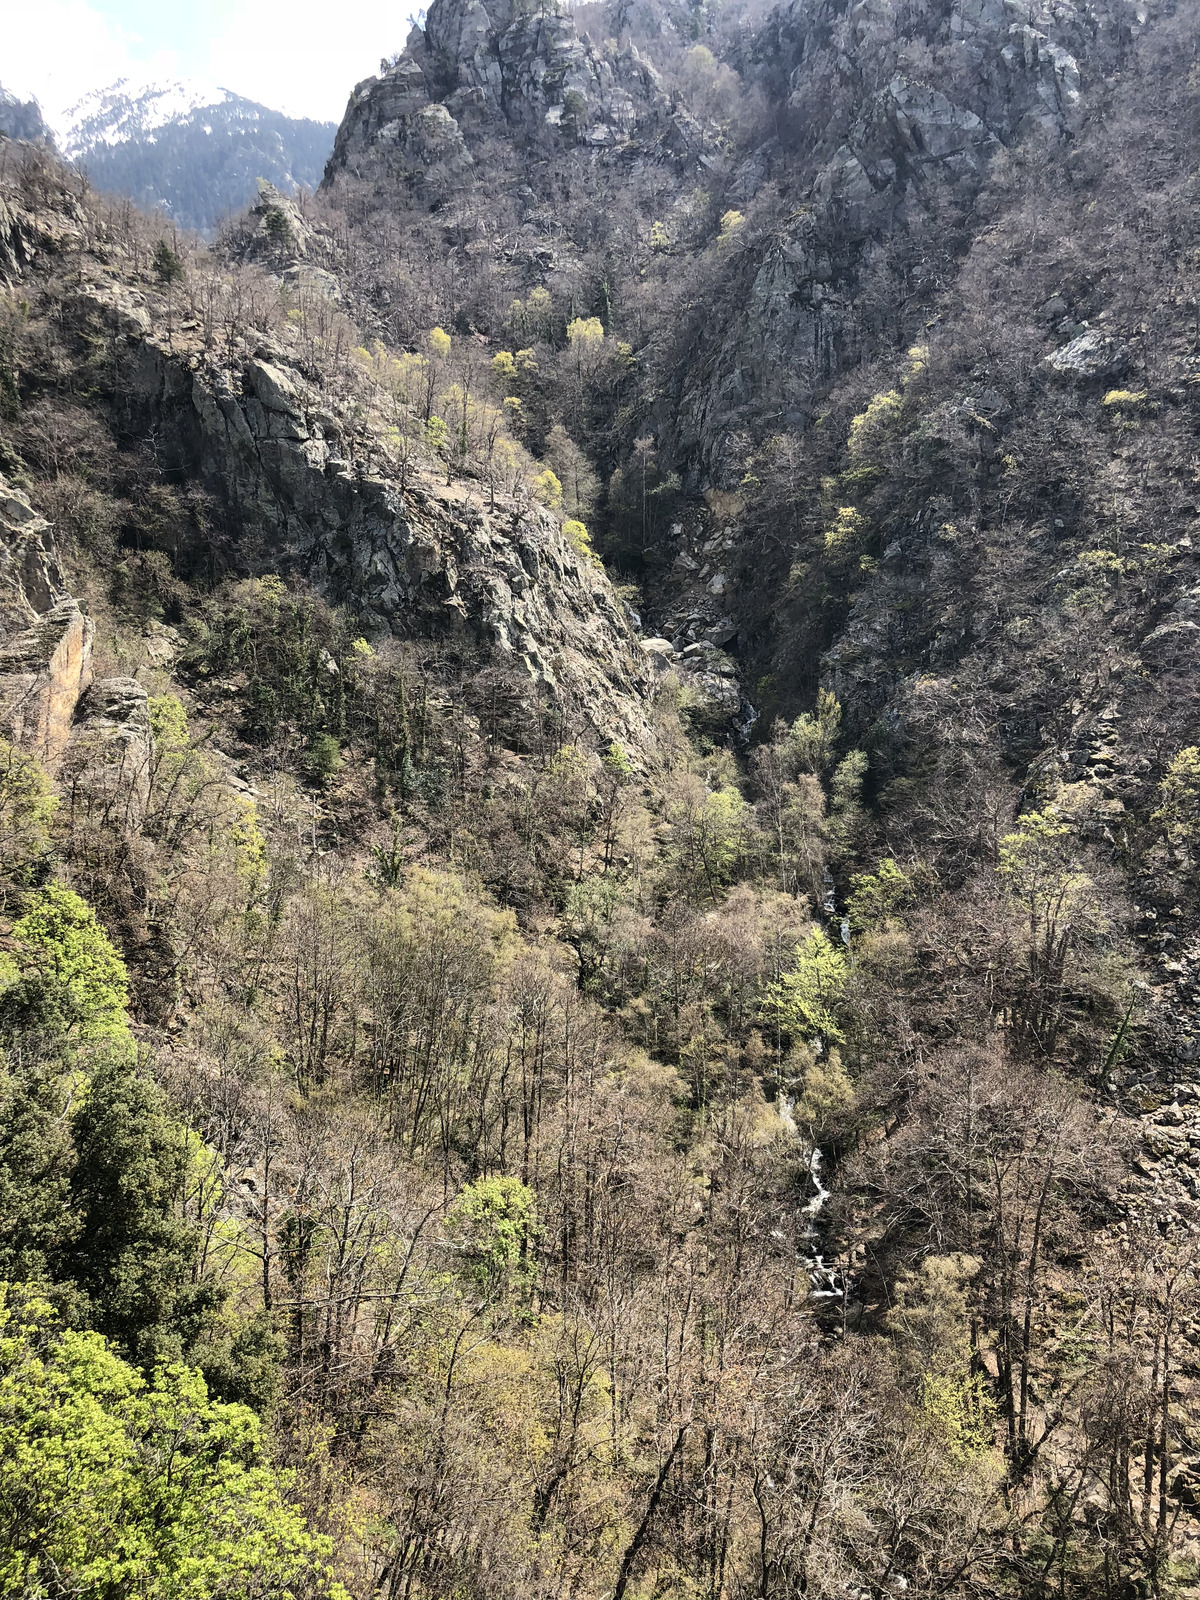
[94, 733]
[45, 641]
[111, 747]
[303, 493]
[958, 83]
[495, 65]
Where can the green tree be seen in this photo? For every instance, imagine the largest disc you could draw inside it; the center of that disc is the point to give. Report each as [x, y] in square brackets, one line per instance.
[810, 743]
[875, 897]
[493, 1226]
[67, 945]
[806, 1000]
[110, 1486]
[1178, 813]
[168, 268]
[27, 807]
[134, 1256]
[37, 1218]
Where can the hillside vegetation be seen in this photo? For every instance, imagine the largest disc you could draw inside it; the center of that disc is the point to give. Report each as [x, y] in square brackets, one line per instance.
[598, 809]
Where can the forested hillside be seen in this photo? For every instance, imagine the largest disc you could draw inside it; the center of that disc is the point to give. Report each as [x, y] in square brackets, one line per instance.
[599, 793]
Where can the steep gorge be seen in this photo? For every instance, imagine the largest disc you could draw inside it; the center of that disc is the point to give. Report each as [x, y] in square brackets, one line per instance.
[690, 1067]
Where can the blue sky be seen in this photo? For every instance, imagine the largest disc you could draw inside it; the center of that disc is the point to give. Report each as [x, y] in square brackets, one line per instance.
[299, 56]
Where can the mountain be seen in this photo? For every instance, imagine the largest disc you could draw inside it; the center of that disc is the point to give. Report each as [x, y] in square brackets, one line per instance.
[191, 149]
[600, 825]
[21, 119]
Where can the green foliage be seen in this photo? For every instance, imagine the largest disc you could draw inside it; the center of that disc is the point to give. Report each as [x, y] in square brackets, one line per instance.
[580, 539]
[806, 1000]
[826, 1094]
[585, 331]
[324, 757]
[27, 808]
[732, 223]
[13, 317]
[880, 421]
[168, 721]
[168, 268]
[813, 735]
[547, 489]
[67, 945]
[36, 1156]
[133, 1255]
[437, 436]
[439, 343]
[1035, 865]
[875, 897]
[1178, 813]
[616, 763]
[845, 532]
[279, 229]
[493, 1225]
[113, 1486]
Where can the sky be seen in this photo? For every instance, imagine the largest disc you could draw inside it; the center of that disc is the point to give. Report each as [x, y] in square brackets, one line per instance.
[302, 57]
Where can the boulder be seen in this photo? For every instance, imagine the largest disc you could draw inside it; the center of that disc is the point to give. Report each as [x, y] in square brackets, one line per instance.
[111, 747]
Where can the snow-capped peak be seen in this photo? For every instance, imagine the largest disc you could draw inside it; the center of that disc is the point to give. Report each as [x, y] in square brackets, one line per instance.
[128, 109]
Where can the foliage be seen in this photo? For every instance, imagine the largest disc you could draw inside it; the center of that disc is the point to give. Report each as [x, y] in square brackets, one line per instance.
[547, 489]
[493, 1226]
[110, 1483]
[27, 809]
[168, 268]
[133, 1254]
[875, 897]
[1178, 813]
[807, 999]
[66, 944]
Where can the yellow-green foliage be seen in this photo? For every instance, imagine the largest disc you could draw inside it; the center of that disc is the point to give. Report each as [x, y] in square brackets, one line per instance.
[1178, 813]
[111, 1486]
[845, 532]
[732, 223]
[1126, 399]
[577, 533]
[876, 896]
[503, 366]
[249, 846]
[1037, 867]
[931, 1323]
[493, 1225]
[547, 489]
[168, 721]
[811, 738]
[805, 1002]
[439, 343]
[1104, 563]
[27, 808]
[826, 1092]
[880, 419]
[585, 331]
[60, 938]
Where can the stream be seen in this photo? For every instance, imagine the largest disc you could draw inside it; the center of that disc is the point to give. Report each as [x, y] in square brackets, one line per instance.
[826, 1281]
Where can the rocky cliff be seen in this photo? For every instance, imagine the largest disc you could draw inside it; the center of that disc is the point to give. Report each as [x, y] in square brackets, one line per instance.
[892, 119]
[45, 640]
[303, 485]
[479, 68]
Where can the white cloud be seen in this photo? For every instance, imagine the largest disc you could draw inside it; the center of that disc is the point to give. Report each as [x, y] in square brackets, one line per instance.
[59, 50]
[304, 56]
